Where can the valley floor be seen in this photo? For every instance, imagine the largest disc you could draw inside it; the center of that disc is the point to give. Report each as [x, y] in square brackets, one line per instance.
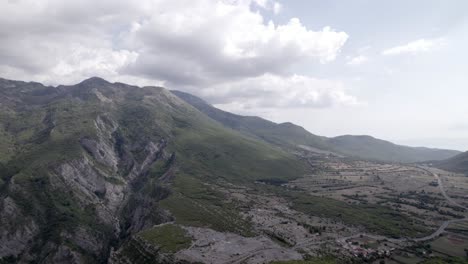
[353, 210]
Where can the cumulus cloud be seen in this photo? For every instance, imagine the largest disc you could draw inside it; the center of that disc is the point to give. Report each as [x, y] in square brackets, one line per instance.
[272, 91]
[62, 42]
[213, 45]
[415, 47]
[210, 43]
[358, 60]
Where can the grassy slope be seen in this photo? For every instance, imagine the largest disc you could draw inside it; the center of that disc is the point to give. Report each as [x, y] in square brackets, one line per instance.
[289, 135]
[284, 135]
[195, 204]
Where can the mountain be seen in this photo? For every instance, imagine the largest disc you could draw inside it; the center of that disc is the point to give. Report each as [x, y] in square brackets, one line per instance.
[86, 168]
[293, 136]
[367, 147]
[459, 163]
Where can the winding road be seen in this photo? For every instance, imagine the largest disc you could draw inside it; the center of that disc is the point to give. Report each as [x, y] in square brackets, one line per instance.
[450, 200]
[435, 234]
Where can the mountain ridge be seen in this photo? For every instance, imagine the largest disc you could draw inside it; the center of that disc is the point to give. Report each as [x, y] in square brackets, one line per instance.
[291, 135]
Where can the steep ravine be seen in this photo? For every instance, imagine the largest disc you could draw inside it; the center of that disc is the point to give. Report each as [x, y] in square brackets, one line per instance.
[101, 192]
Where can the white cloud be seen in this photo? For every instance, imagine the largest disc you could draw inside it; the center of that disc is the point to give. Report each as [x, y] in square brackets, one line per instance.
[60, 42]
[358, 60]
[82, 62]
[209, 43]
[205, 41]
[212, 45]
[273, 91]
[417, 46]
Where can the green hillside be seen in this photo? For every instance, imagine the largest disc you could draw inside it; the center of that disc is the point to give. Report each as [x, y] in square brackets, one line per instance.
[288, 135]
[285, 135]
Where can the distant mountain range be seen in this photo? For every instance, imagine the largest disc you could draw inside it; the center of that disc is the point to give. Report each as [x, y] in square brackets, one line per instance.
[292, 136]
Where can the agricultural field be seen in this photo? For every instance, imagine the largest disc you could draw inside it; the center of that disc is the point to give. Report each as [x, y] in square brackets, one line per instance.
[458, 228]
[451, 245]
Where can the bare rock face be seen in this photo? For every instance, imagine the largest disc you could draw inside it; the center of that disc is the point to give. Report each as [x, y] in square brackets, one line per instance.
[93, 187]
[103, 183]
[152, 153]
[83, 178]
[86, 239]
[64, 255]
[17, 231]
[103, 149]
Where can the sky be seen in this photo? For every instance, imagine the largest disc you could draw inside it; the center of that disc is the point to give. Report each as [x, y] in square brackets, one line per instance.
[395, 70]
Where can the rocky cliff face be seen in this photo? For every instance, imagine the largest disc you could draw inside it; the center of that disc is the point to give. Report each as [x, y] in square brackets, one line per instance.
[71, 190]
